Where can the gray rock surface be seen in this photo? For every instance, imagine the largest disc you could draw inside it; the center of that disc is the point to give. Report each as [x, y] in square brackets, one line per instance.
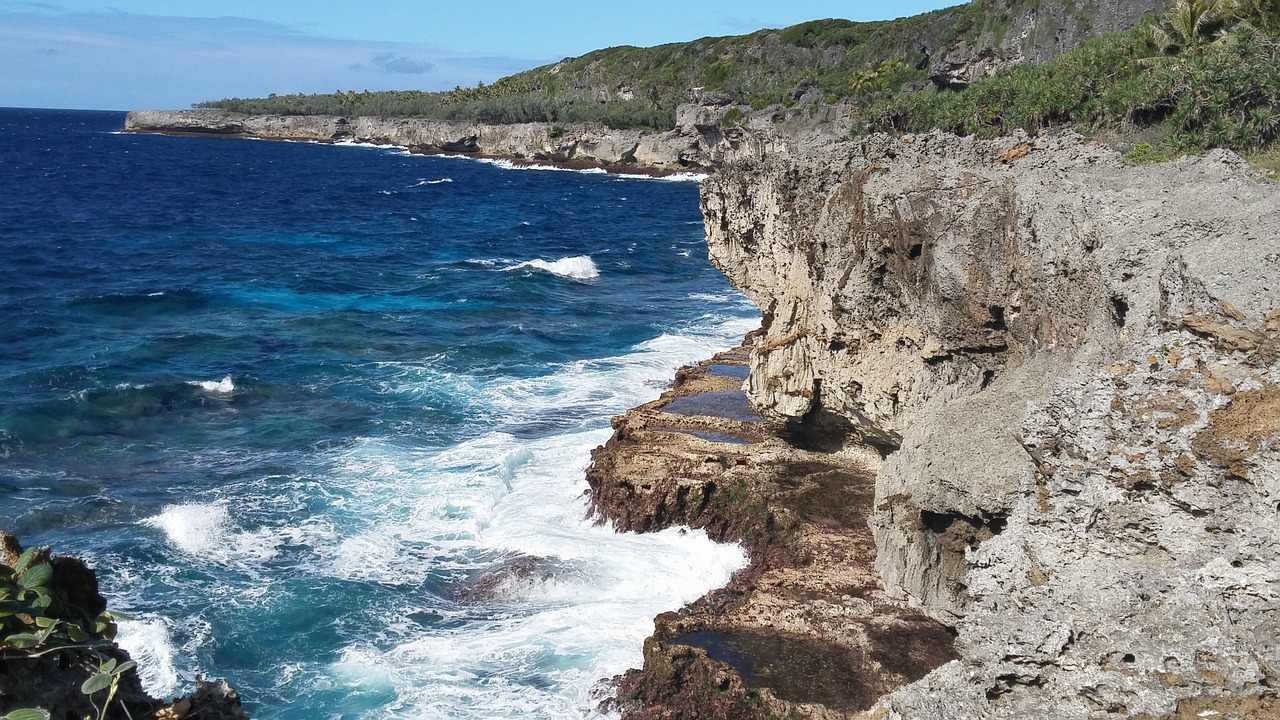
[696, 146]
[1015, 31]
[1070, 364]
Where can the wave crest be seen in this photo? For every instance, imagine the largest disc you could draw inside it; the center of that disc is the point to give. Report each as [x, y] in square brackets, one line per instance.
[579, 267]
[222, 387]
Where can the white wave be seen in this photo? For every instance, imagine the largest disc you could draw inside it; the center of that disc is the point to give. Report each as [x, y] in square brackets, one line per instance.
[506, 164]
[424, 182]
[674, 177]
[149, 644]
[579, 267]
[369, 145]
[684, 177]
[192, 528]
[585, 620]
[205, 530]
[734, 297]
[222, 387]
[155, 294]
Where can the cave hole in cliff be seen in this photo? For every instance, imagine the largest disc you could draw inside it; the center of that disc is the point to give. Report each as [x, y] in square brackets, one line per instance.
[1119, 309]
[824, 431]
[996, 319]
[915, 251]
[963, 529]
[820, 430]
[987, 377]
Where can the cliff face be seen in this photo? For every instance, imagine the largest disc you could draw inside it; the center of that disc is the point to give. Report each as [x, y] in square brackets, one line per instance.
[690, 147]
[1020, 31]
[1070, 367]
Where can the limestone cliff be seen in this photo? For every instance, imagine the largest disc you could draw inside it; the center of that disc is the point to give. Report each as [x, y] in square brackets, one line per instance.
[693, 146]
[1069, 365]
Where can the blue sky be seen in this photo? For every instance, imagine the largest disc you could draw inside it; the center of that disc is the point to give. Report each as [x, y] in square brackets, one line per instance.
[124, 54]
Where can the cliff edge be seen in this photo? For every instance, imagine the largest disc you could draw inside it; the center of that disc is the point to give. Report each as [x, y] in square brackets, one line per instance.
[1069, 367]
[697, 144]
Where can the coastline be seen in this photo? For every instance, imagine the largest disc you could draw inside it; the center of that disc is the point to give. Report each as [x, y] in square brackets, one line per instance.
[943, 446]
[692, 147]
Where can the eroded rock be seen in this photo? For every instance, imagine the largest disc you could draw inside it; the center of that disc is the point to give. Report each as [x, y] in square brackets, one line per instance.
[1069, 365]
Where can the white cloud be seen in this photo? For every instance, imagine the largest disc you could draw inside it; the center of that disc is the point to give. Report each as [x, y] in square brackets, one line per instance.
[394, 63]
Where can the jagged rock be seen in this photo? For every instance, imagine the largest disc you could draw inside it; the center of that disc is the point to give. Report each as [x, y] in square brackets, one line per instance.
[1037, 32]
[959, 68]
[1069, 364]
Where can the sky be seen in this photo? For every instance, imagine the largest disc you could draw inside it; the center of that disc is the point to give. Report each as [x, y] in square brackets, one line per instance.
[168, 54]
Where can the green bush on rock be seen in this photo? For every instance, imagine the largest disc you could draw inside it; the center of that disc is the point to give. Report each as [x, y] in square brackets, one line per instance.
[36, 620]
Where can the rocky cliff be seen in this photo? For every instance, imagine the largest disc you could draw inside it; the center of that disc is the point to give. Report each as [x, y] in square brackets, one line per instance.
[1014, 31]
[1069, 367]
[696, 144]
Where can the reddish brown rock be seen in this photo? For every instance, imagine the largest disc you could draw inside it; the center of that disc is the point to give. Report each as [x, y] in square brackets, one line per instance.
[806, 630]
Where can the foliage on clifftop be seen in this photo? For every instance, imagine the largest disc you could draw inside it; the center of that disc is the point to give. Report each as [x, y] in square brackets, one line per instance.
[1206, 74]
[822, 61]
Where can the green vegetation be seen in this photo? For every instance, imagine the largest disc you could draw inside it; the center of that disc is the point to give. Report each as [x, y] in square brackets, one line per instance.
[641, 87]
[1193, 80]
[36, 621]
[1205, 74]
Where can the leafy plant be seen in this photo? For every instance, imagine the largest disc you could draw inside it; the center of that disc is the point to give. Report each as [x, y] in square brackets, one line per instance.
[32, 615]
[107, 678]
[26, 714]
[35, 621]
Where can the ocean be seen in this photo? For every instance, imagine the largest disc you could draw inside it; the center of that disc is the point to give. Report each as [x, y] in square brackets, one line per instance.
[318, 414]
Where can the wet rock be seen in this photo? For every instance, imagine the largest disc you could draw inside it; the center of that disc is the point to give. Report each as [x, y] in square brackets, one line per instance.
[807, 628]
[506, 581]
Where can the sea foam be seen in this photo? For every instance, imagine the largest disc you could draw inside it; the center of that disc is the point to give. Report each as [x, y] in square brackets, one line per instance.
[206, 530]
[579, 267]
[148, 642]
[221, 387]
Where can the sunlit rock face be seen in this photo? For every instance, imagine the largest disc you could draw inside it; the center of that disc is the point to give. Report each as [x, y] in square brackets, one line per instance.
[1069, 366]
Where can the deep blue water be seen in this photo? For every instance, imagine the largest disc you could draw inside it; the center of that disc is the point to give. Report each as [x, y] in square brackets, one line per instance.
[294, 400]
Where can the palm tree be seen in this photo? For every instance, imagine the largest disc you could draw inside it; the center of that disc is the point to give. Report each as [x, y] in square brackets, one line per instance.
[1193, 21]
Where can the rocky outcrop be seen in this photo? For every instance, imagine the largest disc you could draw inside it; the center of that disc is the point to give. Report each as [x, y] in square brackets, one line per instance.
[690, 147]
[808, 627]
[1068, 365]
[1017, 31]
[50, 677]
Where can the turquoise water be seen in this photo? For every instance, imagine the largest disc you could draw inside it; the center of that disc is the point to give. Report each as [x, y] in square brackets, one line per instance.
[319, 414]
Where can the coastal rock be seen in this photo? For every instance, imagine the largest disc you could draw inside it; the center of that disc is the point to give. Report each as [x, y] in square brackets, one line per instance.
[51, 681]
[807, 628]
[684, 149]
[1068, 366]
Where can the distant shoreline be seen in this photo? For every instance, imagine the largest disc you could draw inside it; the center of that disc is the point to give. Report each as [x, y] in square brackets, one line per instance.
[686, 150]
